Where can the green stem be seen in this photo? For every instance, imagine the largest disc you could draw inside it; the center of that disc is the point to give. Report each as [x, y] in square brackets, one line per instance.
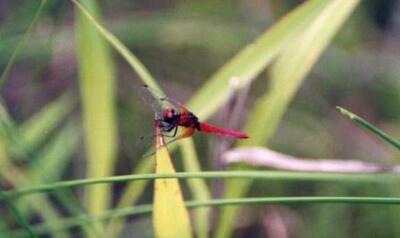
[144, 209]
[370, 127]
[132, 60]
[21, 43]
[18, 217]
[277, 175]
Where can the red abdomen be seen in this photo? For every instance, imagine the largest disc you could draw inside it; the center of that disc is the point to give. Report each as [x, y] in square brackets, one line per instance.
[221, 131]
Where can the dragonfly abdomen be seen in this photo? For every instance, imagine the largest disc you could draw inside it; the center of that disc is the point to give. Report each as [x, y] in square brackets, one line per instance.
[222, 131]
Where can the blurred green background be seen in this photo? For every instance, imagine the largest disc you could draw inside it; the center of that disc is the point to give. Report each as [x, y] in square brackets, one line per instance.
[183, 43]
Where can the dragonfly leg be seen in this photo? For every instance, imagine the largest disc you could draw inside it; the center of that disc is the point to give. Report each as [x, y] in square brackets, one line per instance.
[168, 136]
[169, 129]
[176, 131]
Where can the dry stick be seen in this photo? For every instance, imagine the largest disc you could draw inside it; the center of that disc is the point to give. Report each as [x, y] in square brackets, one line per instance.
[264, 157]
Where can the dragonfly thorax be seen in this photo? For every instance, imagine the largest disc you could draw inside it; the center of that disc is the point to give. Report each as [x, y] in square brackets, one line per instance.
[189, 120]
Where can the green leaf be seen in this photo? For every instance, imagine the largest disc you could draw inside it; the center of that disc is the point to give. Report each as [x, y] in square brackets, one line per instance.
[288, 73]
[145, 209]
[22, 43]
[370, 127]
[131, 194]
[17, 178]
[251, 60]
[383, 178]
[133, 61]
[17, 215]
[168, 199]
[97, 87]
[52, 160]
[9, 135]
[197, 187]
[38, 128]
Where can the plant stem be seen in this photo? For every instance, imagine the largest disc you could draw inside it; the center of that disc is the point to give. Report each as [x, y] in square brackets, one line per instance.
[144, 209]
[361, 121]
[277, 175]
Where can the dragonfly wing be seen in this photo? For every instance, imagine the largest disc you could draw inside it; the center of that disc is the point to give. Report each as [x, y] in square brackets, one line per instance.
[157, 101]
[176, 105]
[152, 99]
[145, 142]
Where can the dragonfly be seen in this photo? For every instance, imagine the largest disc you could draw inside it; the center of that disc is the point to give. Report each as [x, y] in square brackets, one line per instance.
[171, 115]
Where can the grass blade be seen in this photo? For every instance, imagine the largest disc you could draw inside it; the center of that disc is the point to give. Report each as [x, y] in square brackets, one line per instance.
[53, 159]
[21, 43]
[133, 61]
[131, 194]
[383, 178]
[361, 121]
[168, 200]
[17, 178]
[10, 135]
[287, 75]
[37, 128]
[198, 187]
[145, 209]
[18, 217]
[96, 73]
[251, 60]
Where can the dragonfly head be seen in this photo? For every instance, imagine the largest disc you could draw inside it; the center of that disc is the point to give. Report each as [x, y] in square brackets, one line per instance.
[169, 115]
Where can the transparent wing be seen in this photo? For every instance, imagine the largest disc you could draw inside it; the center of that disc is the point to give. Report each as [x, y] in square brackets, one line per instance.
[152, 99]
[146, 142]
[157, 101]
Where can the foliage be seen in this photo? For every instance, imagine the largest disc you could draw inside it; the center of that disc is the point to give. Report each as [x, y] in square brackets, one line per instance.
[70, 115]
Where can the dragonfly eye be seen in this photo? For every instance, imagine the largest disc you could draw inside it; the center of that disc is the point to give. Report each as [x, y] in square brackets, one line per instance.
[168, 114]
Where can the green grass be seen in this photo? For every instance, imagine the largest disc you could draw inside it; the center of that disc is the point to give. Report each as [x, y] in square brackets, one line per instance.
[268, 175]
[97, 91]
[145, 209]
[38, 152]
[370, 127]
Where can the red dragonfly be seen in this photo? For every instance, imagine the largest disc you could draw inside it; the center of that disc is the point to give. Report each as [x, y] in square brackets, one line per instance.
[171, 115]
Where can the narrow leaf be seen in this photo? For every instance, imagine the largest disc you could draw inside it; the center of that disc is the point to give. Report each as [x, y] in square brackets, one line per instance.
[133, 61]
[198, 187]
[96, 73]
[22, 43]
[53, 159]
[287, 75]
[170, 216]
[131, 194]
[17, 215]
[258, 201]
[361, 121]
[37, 128]
[251, 60]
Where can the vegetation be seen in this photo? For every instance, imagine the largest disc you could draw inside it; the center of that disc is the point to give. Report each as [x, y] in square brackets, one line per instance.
[71, 116]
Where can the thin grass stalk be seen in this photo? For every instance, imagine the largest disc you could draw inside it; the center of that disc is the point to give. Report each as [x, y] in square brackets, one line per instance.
[146, 209]
[22, 43]
[378, 178]
[361, 121]
[18, 216]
